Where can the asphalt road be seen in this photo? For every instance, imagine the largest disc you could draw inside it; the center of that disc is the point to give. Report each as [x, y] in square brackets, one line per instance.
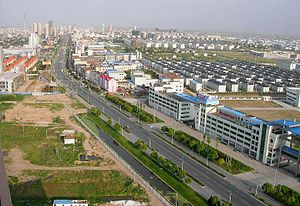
[218, 184]
[135, 164]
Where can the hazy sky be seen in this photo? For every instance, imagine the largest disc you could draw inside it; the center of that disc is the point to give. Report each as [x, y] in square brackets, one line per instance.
[258, 16]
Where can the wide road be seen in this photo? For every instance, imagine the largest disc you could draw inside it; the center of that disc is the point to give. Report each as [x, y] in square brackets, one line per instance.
[195, 169]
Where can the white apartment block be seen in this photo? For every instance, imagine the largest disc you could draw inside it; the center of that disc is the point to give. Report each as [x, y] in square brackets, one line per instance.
[293, 96]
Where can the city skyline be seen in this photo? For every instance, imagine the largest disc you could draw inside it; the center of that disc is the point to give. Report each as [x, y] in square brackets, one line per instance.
[206, 16]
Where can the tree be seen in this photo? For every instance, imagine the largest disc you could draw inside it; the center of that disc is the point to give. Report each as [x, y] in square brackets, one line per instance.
[214, 201]
[109, 121]
[188, 180]
[212, 154]
[117, 127]
[221, 161]
[267, 188]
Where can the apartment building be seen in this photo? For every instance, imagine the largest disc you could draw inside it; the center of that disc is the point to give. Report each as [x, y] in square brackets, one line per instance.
[216, 86]
[293, 96]
[107, 83]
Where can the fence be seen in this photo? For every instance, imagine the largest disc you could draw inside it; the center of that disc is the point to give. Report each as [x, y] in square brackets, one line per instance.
[135, 174]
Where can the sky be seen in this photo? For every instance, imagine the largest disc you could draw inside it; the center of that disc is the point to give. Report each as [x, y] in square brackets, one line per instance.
[279, 17]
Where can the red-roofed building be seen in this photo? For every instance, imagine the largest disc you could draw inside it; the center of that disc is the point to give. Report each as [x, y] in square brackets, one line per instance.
[30, 63]
[108, 83]
[9, 60]
[16, 63]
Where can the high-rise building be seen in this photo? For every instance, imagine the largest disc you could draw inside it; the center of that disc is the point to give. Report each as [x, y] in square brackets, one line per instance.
[103, 28]
[110, 29]
[37, 28]
[51, 29]
[47, 30]
[33, 40]
[1, 60]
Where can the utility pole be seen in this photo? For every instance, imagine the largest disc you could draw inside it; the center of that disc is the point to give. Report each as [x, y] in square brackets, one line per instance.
[275, 177]
[150, 143]
[182, 163]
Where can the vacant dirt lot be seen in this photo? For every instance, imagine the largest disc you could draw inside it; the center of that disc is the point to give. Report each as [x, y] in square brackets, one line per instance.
[249, 103]
[37, 110]
[274, 115]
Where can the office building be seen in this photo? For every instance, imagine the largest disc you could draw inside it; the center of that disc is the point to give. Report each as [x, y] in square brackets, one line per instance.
[163, 98]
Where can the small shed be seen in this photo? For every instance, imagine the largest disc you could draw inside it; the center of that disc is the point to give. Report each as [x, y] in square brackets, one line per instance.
[68, 137]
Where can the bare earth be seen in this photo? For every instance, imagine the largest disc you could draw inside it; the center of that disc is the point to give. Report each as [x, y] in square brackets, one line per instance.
[42, 116]
[249, 103]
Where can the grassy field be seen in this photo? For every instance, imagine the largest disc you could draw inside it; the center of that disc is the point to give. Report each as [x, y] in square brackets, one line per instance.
[243, 56]
[5, 106]
[95, 186]
[249, 103]
[51, 106]
[274, 115]
[182, 189]
[11, 97]
[220, 56]
[41, 145]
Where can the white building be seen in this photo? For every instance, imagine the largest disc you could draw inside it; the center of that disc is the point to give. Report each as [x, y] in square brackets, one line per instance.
[118, 75]
[34, 40]
[139, 78]
[293, 96]
[164, 99]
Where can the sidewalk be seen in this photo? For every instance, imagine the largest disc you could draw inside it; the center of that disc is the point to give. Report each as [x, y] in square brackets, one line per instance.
[262, 173]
